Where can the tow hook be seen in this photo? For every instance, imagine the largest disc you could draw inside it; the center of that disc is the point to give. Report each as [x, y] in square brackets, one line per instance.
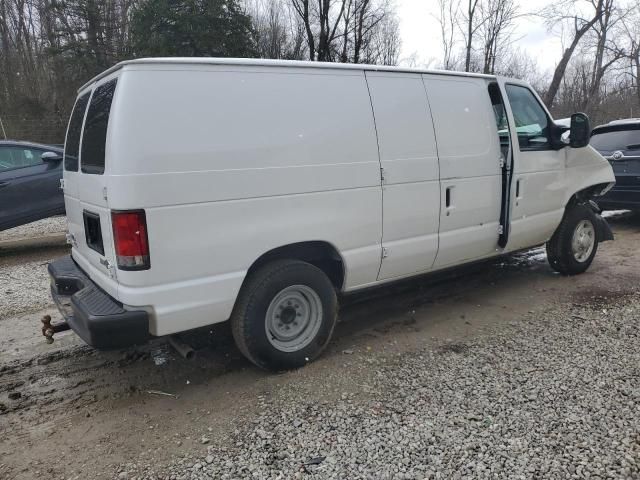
[48, 329]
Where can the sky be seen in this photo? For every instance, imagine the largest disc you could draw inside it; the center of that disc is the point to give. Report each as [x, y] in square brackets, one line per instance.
[420, 33]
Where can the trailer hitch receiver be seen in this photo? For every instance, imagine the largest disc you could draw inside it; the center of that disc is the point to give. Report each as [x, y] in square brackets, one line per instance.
[48, 328]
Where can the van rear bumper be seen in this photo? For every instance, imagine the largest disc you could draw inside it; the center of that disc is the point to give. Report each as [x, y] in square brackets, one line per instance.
[94, 316]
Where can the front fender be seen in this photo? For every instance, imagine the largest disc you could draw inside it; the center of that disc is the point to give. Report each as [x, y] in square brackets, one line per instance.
[585, 168]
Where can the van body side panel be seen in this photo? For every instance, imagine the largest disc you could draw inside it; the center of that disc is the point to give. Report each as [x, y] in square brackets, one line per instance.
[231, 162]
[409, 158]
[469, 152]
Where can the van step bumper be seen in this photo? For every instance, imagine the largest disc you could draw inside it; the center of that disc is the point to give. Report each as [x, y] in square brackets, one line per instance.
[93, 315]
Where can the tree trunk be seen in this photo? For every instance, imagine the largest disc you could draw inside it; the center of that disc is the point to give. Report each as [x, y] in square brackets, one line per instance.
[561, 68]
[302, 9]
[357, 47]
[94, 33]
[638, 75]
[471, 11]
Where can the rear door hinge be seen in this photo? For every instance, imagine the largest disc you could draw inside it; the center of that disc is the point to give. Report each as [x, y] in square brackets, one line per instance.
[104, 193]
[382, 177]
[62, 184]
[501, 161]
[500, 229]
[385, 252]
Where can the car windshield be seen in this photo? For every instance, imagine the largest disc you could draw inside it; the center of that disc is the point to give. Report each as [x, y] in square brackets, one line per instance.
[610, 140]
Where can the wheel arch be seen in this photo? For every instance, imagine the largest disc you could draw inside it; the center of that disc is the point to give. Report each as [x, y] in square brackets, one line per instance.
[319, 253]
[587, 193]
[585, 197]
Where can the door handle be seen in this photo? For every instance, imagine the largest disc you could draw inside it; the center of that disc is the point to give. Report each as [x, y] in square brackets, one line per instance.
[518, 191]
[448, 199]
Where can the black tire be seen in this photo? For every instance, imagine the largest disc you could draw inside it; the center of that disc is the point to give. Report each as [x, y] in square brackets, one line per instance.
[559, 248]
[249, 316]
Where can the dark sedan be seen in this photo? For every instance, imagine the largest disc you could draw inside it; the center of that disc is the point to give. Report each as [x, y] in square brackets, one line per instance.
[619, 142]
[30, 175]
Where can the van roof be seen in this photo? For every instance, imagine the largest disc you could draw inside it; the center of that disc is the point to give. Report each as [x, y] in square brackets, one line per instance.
[273, 63]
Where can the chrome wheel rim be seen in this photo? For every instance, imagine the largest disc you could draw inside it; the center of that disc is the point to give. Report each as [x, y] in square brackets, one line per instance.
[293, 318]
[583, 241]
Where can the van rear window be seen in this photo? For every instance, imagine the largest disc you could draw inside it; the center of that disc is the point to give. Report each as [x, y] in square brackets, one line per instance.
[72, 143]
[94, 138]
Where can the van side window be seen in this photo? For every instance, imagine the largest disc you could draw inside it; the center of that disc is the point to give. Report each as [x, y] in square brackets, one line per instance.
[72, 144]
[531, 120]
[95, 129]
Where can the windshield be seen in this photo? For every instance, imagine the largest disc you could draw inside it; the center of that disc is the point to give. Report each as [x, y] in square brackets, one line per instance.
[609, 140]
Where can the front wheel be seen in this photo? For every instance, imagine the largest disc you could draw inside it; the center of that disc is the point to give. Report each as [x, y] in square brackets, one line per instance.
[574, 244]
[285, 315]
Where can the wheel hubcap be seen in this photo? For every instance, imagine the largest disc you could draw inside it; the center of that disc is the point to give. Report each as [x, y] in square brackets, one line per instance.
[293, 318]
[583, 240]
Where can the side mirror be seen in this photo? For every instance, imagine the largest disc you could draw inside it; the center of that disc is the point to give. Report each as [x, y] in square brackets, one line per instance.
[580, 132]
[51, 157]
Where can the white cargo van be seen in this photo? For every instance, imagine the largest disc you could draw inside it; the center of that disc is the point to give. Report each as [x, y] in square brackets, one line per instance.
[204, 190]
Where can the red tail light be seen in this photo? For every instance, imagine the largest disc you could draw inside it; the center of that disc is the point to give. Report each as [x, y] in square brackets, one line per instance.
[130, 239]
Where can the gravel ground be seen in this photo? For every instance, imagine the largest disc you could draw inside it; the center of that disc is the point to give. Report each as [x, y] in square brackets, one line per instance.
[554, 396]
[48, 226]
[24, 284]
[24, 288]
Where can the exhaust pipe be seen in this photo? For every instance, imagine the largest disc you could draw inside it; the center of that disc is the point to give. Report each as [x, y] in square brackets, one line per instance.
[185, 350]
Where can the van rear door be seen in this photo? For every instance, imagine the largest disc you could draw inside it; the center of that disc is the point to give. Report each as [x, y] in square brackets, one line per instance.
[85, 184]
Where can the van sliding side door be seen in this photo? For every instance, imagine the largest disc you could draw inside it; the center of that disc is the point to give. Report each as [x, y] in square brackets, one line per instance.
[411, 173]
[470, 173]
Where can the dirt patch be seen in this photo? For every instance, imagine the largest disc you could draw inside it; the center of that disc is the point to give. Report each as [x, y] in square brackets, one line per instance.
[598, 297]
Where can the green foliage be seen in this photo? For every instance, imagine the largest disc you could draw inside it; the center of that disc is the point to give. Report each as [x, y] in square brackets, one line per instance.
[192, 28]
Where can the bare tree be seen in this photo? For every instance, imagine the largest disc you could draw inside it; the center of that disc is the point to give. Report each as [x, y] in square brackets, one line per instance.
[448, 13]
[303, 10]
[278, 33]
[497, 30]
[556, 14]
[471, 24]
[606, 53]
[325, 17]
[348, 30]
[630, 35]
[382, 40]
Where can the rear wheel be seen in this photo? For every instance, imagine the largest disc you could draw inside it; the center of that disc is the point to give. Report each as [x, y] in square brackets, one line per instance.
[574, 244]
[285, 315]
